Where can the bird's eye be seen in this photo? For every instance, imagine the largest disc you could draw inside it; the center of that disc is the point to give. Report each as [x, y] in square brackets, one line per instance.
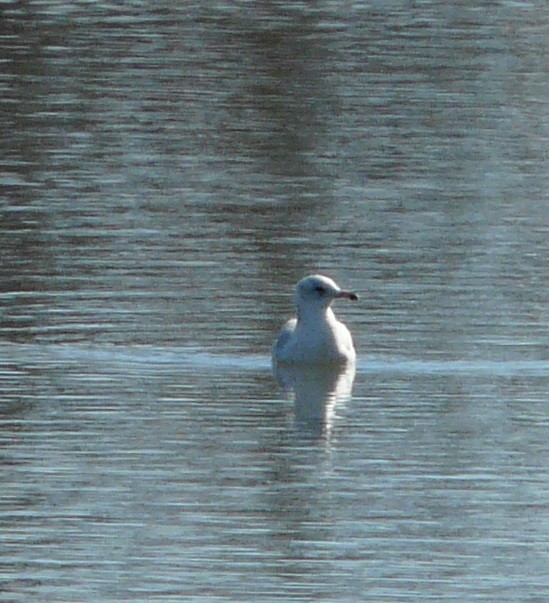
[320, 290]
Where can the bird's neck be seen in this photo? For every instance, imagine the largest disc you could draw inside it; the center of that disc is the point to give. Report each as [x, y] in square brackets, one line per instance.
[314, 316]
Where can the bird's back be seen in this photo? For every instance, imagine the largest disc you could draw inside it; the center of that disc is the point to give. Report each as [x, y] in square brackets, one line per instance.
[284, 338]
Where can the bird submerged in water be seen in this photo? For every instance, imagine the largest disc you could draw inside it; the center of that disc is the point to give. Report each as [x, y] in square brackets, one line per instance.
[315, 335]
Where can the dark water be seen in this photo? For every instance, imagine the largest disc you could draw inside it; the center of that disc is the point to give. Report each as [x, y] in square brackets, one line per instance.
[167, 175]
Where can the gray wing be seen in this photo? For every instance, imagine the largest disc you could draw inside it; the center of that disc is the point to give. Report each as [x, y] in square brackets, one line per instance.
[285, 335]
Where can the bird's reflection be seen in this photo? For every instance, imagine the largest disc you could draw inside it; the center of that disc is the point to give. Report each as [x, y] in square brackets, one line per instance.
[317, 391]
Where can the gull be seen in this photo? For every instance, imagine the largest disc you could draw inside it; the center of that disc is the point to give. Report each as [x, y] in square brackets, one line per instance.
[315, 335]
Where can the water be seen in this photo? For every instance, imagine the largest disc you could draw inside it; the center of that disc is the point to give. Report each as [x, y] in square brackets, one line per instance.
[167, 175]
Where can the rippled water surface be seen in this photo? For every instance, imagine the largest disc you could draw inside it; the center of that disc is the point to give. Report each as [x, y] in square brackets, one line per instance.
[168, 173]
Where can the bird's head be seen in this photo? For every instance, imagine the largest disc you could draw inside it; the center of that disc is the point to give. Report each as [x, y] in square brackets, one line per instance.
[318, 292]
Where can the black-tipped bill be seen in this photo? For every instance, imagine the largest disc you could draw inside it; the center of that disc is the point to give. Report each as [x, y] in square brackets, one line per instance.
[349, 295]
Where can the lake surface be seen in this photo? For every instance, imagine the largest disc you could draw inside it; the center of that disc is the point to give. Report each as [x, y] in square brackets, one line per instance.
[168, 174]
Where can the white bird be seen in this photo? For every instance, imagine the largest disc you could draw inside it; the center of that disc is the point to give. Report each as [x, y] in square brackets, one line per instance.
[315, 335]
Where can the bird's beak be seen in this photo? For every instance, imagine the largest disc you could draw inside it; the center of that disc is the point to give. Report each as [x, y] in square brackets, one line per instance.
[349, 295]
